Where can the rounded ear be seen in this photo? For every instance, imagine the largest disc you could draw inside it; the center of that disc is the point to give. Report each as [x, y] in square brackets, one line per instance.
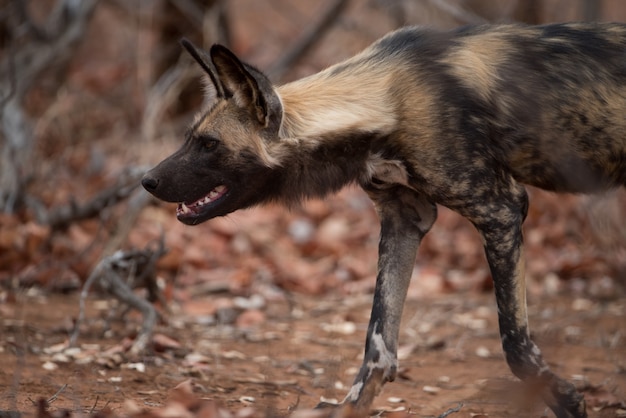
[202, 58]
[230, 69]
[239, 81]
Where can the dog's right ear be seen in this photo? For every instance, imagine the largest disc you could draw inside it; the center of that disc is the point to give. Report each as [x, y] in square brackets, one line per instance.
[203, 59]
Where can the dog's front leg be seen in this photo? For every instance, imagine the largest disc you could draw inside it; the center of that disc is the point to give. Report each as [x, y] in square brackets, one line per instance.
[405, 217]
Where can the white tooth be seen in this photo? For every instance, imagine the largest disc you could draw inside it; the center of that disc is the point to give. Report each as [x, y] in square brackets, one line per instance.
[213, 194]
[219, 189]
[206, 200]
[185, 208]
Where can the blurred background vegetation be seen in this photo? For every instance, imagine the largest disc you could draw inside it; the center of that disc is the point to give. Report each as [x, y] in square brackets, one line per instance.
[92, 92]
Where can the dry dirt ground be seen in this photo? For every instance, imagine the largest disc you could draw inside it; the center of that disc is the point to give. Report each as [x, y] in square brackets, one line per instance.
[307, 348]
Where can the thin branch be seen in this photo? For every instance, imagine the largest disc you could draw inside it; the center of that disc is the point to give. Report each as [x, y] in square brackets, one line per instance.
[591, 10]
[40, 33]
[11, 79]
[61, 217]
[452, 410]
[56, 395]
[64, 27]
[191, 11]
[215, 25]
[307, 40]
[35, 57]
[116, 274]
[458, 12]
[93, 408]
[163, 94]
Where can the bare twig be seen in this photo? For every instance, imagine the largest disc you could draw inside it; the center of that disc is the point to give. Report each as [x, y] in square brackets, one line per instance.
[10, 77]
[119, 272]
[591, 10]
[56, 395]
[163, 94]
[43, 403]
[136, 202]
[215, 27]
[192, 12]
[117, 275]
[93, 408]
[307, 40]
[458, 12]
[61, 217]
[64, 28]
[451, 410]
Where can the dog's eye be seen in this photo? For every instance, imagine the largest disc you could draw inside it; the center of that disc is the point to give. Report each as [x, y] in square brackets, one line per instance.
[209, 142]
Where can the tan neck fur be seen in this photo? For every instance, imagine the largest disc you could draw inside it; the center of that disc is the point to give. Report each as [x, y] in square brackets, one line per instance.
[355, 98]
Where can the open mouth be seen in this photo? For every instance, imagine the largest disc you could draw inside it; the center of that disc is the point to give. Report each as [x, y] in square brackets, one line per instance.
[194, 209]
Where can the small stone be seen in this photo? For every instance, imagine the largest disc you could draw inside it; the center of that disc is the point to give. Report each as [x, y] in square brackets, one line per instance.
[345, 328]
[247, 399]
[50, 366]
[394, 399]
[431, 389]
[250, 318]
[140, 367]
[582, 304]
[253, 302]
[60, 358]
[483, 352]
[301, 230]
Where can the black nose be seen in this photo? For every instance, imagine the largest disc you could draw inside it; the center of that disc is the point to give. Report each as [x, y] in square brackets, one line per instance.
[149, 183]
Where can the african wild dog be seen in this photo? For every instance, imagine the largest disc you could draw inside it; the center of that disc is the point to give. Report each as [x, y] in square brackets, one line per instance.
[421, 117]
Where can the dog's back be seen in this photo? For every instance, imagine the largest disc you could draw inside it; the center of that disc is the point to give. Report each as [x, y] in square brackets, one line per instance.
[546, 103]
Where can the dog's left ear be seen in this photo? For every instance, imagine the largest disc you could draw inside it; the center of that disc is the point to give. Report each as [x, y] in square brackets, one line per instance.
[203, 59]
[246, 85]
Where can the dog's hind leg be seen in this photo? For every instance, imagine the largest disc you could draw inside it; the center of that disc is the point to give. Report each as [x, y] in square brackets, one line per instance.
[405, 218]
[498, 215]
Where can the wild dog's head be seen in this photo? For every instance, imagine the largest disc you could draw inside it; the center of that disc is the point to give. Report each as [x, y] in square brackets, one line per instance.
[224, 164]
